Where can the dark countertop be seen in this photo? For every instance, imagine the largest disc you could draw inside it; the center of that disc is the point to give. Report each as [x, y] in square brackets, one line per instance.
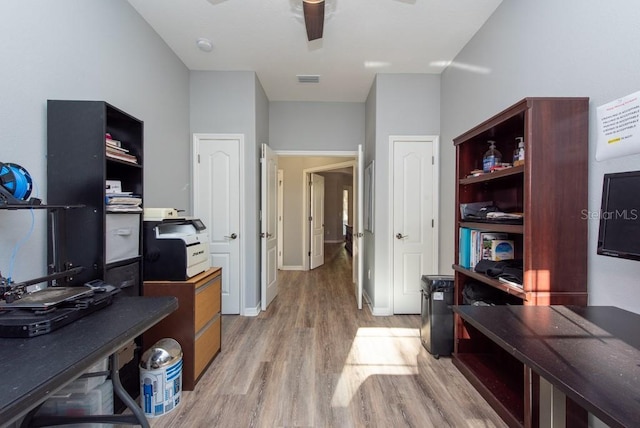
[33, 368]
[591, 354]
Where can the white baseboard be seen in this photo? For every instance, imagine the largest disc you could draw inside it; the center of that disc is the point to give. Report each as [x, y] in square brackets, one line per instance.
[378, 312]
[292, 268]
[253, 312]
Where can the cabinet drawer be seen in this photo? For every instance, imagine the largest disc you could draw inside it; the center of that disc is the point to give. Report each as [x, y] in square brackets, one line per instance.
[207, 303]
[207, 345]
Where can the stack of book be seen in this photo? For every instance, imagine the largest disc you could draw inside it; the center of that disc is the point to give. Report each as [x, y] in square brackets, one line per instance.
[476, 245]
[114, 150]
[118, 201]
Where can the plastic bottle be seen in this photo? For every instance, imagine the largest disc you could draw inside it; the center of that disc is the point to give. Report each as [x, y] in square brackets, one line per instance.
[491, 158]
[520, 149]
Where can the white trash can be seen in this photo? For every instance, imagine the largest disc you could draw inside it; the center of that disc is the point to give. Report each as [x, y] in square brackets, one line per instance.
[161, 378]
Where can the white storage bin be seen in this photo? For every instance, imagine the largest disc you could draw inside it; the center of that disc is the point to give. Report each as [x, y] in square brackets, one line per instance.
[123, 237]
[85, 384]
[98, 401]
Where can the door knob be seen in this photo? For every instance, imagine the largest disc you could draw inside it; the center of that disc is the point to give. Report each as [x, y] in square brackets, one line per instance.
[401, 236]
[233, 236]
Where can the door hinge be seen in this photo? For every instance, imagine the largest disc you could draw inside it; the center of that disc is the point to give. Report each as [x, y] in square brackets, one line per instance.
[433, 223]
[310, 218]
[198, 158]
[309, 253]
[433, 160]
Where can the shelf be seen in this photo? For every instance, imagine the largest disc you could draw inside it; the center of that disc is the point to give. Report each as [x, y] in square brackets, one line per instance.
[502, 391]
[496, 175]
[509, 289]
[37, 207]
[123, 162]
[494, 227]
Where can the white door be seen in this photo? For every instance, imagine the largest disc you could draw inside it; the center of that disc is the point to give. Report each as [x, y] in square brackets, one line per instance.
[358, 227]
[414, 210]
[316, 252]
[268, 226]
[217, 202]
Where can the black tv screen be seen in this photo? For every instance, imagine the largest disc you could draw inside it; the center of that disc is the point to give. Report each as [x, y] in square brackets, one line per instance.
[619, 234]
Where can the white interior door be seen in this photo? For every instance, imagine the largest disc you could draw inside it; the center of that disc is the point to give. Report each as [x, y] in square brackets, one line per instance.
[217, 202]
[414, 217]
[316, 252]
[269, 226]
[358, 226]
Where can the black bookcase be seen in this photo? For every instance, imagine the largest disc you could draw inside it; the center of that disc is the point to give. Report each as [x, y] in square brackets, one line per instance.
[77, 170]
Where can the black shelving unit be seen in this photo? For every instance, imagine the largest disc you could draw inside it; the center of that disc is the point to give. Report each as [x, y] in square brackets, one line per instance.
[77, 170]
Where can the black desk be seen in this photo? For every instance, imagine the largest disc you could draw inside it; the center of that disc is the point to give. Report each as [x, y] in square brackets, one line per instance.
[34, 368]
[591, 354]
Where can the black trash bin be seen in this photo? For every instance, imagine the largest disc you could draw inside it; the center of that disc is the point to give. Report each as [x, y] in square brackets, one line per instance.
[436, 331]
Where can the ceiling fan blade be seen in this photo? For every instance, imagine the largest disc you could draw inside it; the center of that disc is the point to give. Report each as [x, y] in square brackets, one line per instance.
[313, 18]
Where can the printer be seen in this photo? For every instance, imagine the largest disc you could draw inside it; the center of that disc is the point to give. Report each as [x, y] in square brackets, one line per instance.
[175, 249]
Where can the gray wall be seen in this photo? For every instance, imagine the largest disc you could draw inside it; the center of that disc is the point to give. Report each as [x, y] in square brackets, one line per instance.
[69, 49]
[316, 126]
[405, 104]
[548, 48]
[234, 103]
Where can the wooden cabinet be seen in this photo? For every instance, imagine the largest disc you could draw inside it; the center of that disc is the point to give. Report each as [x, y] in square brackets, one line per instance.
[550, 189]
[196, 325]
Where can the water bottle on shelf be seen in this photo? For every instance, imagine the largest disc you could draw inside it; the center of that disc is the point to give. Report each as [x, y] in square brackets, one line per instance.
[492, 157]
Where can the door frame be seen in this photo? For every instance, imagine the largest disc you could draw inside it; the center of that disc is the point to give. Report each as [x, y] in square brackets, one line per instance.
[435, 174]
[305, 212]
[306, 225]
[195, 143]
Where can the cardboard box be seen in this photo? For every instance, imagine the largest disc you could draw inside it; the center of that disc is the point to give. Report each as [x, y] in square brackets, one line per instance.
[501, 249]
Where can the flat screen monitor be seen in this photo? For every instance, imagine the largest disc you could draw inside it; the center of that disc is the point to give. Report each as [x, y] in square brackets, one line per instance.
[619, 233]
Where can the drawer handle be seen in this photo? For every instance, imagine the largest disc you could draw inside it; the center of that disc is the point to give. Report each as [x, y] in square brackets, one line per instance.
[123, 232]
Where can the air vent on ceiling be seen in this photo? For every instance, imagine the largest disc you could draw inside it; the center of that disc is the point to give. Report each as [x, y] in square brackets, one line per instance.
[308, 78]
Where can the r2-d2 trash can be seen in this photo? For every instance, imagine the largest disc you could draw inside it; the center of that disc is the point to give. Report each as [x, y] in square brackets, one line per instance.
[161, 378]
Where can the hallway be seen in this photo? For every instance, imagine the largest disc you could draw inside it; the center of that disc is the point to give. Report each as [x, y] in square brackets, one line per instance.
[313, 360]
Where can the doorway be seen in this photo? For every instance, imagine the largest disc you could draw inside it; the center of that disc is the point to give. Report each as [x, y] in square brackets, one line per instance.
[295, 208]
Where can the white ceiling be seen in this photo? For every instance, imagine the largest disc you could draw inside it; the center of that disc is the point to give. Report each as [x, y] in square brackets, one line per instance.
[361, 38]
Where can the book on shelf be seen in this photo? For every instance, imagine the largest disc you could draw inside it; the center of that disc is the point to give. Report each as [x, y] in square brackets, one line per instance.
[487, 251]
[112, 141]
[510, 282]
[122, 199]
[115, 149]
[121, 156]
[475, 245]
[123, 209]
[464, 245]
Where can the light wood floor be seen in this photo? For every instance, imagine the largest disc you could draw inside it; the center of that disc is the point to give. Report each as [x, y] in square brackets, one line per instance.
[313, 360]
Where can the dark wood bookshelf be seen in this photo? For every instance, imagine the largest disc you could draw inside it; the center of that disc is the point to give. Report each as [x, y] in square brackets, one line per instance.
[551, 191]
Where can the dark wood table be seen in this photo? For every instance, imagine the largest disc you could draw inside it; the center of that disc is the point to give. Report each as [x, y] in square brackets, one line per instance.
[34, 368]
[591, 354]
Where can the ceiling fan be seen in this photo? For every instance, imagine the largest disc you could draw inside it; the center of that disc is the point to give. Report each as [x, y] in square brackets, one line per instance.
[313, 18]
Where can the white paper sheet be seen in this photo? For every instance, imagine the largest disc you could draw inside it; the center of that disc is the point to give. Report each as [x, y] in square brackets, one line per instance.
[618, 128]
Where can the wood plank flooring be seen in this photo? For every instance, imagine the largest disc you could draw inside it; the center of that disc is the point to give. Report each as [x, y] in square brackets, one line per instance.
[313, 360]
